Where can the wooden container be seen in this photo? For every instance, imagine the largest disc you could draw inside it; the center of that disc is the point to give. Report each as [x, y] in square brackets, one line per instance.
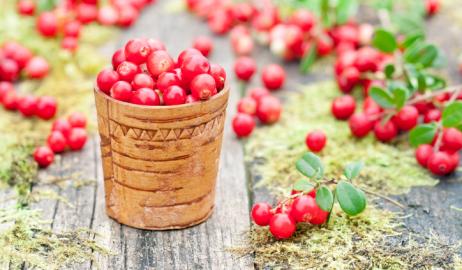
[160, 164]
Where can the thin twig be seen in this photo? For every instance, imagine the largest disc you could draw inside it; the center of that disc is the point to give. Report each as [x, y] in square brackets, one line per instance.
[384, 197]
[433, 94]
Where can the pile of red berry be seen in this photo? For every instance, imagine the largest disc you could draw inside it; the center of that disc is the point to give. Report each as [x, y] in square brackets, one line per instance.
[65, 134]
[15, 58]
[67, 18]
[144, 73]
[283, 218]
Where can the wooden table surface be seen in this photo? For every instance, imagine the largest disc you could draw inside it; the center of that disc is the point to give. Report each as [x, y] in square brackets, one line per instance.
[204, 246]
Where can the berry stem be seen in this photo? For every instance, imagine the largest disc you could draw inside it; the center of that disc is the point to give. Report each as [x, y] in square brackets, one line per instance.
[452, 89]
[383, 197]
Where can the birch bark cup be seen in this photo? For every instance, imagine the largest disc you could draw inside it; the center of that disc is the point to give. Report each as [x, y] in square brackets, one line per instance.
[160, 163]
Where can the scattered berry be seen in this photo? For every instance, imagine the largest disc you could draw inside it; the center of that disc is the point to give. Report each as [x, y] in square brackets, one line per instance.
[282, 226]
[261, 214]
[273, 77]
[316, 140]
[44, 156]
[269, 109]
[343, 107]
[243, 124]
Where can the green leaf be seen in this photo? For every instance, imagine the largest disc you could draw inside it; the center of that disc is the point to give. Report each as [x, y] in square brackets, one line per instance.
[412, 38]
[353, 169]
[310, 165]
[345, 10]
[434, 82]
[351, 199]
[44, 5]
[308, 59]
[303, 185]
[382, 97]
[422, 134]
[400, 96]
[384, 41]
[452, 115]
[324, 198]
[389, 71]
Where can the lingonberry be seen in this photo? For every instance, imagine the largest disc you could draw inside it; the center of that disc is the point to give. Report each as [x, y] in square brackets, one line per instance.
[127, 16]
[86, 13]
[433, 115]
[4, 88]
[44, 156]
[21, 55]
[70, 43]
[343, 107]
[155, 45]
[371, 108]
[324, 46]
[145, 96]
[27, 105]
[174, 95]
[452, 139]
[304, 19]
[344, 61]
[244, 68]
[122, 91]
[360, 125]
[432, 7]
[159, 62]
[57, 142]
[9, 70]
[243, 124]
[258, 92]
[142, 80]
[191, 99]
[261, 214]
[247, 105]
[77, 119]
[305, 209]
[219, 74]
[203, 86]
[188, 53]
[167, 79]
[117, 58]
[269, 109]
[77, 138]
[367, 59]
[273, 76]
[137, 50]
[108, 15]
[282, 226]
[440, 163]
[385, 132]
[37, 68]
[348, 79]
[10, 100]
[455, 160]
[47, 24]
[26, 7]
[406, 119]
[193, 66]
[46, 107]
[220, 21]
[316, 140]
[72, 29]
[127, 71]
[203, 44]
[63, 126]
[106, 79]
[422, 153]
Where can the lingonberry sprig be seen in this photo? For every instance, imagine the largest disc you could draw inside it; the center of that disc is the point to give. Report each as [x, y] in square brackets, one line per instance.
[312, 199]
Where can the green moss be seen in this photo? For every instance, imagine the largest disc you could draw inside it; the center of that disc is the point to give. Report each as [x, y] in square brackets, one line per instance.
[273, 150]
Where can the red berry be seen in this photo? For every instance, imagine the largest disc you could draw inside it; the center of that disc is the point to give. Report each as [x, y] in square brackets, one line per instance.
[432, 7]
[188, 53]
[316, 140]
[72, 29]
[422, 153]
[282, 226]
[257, 93]
[47, 24]
[127, 71]
[219, 74]
[159, 62]
[26, 7]
[77, 119]
[43, 156]
[118, 57]
[27, 105]
[247, 105]
[127, 16]
[121, 90]
[452, 139]
[203, 44]
[344, 61]
[348, 79]
[37, 68]
[63, 126]
[261, 214]
[20, 54]
[142, 80]
[455, 160]
[385, 132]
[343, 107]
[433, 115]
[10, 100]
[9, 70]
[108, 15]
[57, 142]
[243, 124]
[70, 43]
[440, 163]
[137, 51]
[367, 59]
[273, 76]
[220, 21]
[203, 86]
[145, 96]
[407, 118]
[193, 66]
[360, 125]
[244, 68]
[77, 138]
[305, 209]
[106, 79]
[324, 46]
[174, 95]
[371, 108]
[86, 13]
[155, 45]
[269, 109]
[4, 88]
[304, 19]
[191, 99]
[167, 79]
[46, 107]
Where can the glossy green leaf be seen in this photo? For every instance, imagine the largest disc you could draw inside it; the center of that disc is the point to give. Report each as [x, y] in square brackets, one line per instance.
[400, 96]
[413, 38]
[384, 41]
[452, 115]
[389, 71]
[422, 134]
[345, 10]
[351, 199]
[310, 165]
[382, 97]
[324, 198]
[303, 185]
[308, 59]
[353, 169]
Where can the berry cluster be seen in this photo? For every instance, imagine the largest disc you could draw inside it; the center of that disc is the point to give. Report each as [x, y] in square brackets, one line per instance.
[66, 18]
[65, 133]
[144, 73]
[15, 58]
[311, 203]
